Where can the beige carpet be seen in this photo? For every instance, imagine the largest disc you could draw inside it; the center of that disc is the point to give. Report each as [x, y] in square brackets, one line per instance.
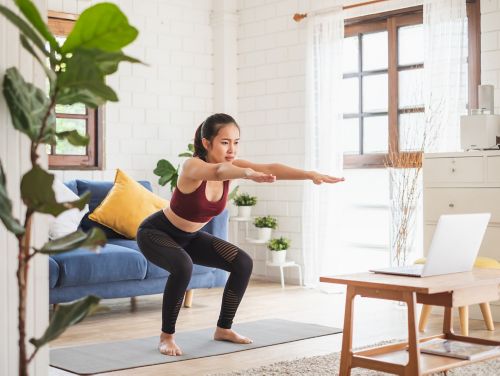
[328, 365]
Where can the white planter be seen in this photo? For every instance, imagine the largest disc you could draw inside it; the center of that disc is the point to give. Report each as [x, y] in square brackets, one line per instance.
[264, 233]
[244, 211]
[278, 257]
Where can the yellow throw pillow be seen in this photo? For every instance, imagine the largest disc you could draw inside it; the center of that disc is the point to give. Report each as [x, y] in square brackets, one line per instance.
[126, 205]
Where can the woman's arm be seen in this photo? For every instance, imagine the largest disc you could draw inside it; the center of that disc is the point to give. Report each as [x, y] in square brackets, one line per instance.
[283, 172]
[197, 169]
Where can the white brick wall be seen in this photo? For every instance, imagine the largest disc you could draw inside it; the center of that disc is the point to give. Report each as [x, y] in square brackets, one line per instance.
[490, 46]
[161, 103]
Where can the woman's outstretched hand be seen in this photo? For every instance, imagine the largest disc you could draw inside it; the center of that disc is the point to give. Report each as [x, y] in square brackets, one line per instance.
[259, 177]
[318, 178]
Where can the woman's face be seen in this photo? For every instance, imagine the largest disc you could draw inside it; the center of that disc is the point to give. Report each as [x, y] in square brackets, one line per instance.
[224, 146]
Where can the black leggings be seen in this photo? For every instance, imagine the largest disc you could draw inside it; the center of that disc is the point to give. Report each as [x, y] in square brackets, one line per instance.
[175, 251]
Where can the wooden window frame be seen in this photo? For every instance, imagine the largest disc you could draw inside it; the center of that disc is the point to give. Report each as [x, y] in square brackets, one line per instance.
[62, 24]
[390, 22]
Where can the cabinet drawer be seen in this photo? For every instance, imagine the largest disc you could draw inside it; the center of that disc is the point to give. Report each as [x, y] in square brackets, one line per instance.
[453, 170]
[493, 169]
[439, 201]
[490, 247]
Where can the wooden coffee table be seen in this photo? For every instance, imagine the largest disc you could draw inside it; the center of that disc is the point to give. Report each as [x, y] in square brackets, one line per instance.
[451, 290]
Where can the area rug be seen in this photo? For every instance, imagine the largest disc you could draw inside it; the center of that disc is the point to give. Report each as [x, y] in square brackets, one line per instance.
[113, 356]
[328, 365]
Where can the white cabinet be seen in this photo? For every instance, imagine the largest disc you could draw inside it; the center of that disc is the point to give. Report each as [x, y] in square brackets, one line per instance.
[466, 182]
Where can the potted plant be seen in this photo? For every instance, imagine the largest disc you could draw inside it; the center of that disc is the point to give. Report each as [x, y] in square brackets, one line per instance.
[244, 202]
[278, 247]
[76, 73]
[265, 225]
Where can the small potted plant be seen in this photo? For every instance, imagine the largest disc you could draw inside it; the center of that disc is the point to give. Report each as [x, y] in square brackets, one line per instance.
[278, 247]
[265, 225]
[244, 202]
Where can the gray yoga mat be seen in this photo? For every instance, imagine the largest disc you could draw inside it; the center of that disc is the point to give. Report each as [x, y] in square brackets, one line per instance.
[113, 356]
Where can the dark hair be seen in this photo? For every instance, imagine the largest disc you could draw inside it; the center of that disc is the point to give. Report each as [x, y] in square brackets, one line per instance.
[209, 129]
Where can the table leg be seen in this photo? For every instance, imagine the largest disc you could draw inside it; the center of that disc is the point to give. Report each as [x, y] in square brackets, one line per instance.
[448, 321]
[282, 278]
[463, 312]
[413, 367]
[346, 355]
[486, 311]
[300, 276]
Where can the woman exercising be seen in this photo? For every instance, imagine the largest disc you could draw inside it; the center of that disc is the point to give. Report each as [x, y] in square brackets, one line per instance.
[171, 238]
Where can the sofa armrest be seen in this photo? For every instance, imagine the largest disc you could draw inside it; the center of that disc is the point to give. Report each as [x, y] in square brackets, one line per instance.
[218, 226]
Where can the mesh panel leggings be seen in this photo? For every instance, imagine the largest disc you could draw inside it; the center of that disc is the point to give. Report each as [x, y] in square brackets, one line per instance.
[176, 251]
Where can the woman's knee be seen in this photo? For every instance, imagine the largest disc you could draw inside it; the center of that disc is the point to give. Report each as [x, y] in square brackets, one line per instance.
[243, 262]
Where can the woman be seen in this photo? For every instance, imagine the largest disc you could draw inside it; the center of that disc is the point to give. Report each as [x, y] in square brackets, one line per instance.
[171, 238]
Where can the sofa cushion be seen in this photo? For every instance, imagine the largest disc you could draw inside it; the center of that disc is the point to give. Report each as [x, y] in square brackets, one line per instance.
[68, 221]
[112, 263]
[53, 272]
[153, 270]
[71, 184]
[99, 190]
[127, 204]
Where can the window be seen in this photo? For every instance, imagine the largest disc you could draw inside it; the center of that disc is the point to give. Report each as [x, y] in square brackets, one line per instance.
[87, 121]
[383, 71]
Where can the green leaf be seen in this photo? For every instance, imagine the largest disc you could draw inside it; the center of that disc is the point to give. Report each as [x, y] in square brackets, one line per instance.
[191, 148]
[164, 167]
[101, 26]
[27, 104]
[173, 182]
[93, 239]
[83, 81]
[37, 193]
[25, 28]
[73, 137]
[185, 154]
[166, 178]
[11, 223]
[108, 61]
[65, 316]
[31, 13]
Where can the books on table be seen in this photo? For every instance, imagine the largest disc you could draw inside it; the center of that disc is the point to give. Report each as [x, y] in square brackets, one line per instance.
[458, 349]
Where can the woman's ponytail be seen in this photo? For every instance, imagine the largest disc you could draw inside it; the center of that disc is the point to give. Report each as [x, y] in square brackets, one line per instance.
[199, 149]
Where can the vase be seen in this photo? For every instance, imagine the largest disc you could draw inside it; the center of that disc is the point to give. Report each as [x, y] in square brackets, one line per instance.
[278, 257]
[244, 211]
[264, 233]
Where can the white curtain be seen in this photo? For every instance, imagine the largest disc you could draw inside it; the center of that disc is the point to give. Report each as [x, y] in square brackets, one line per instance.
[323, 143]
[445, 72]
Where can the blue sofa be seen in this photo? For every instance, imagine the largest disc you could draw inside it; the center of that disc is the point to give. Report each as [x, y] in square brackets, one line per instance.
[120, 270]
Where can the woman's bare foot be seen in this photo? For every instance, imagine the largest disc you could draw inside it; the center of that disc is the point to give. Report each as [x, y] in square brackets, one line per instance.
[230, 335]
[167, 345]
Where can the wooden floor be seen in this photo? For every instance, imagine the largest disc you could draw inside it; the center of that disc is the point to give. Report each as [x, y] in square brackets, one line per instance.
[375, 321]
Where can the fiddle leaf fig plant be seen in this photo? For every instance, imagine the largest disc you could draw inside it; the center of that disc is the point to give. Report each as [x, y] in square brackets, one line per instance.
[166, 170]
[76, 72]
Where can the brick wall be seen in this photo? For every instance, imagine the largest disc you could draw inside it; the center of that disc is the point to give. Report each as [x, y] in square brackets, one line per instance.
[160, 103]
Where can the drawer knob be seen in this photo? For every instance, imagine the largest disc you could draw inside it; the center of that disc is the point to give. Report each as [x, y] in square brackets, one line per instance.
[451, 205]
[452, 170]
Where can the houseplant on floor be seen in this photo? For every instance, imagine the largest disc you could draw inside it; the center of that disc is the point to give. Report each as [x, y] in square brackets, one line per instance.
[75, 73]
[278, 247]
[244, 202]
[265, 225]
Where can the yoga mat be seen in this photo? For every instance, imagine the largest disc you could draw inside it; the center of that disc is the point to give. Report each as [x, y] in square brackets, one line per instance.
[113, 356]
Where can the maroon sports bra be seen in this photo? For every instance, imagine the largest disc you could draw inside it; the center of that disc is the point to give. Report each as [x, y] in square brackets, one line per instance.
[195, 207]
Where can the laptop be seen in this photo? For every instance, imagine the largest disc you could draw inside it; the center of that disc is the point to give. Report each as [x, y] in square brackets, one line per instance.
[453, 248]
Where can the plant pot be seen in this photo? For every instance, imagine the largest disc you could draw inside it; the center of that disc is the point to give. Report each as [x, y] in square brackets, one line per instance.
[264, 233]
[244, 211]
[278, 257]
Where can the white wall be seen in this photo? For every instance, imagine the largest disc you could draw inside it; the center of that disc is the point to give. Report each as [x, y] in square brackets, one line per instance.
[14, 153]
[490, 46]
[161, 104]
